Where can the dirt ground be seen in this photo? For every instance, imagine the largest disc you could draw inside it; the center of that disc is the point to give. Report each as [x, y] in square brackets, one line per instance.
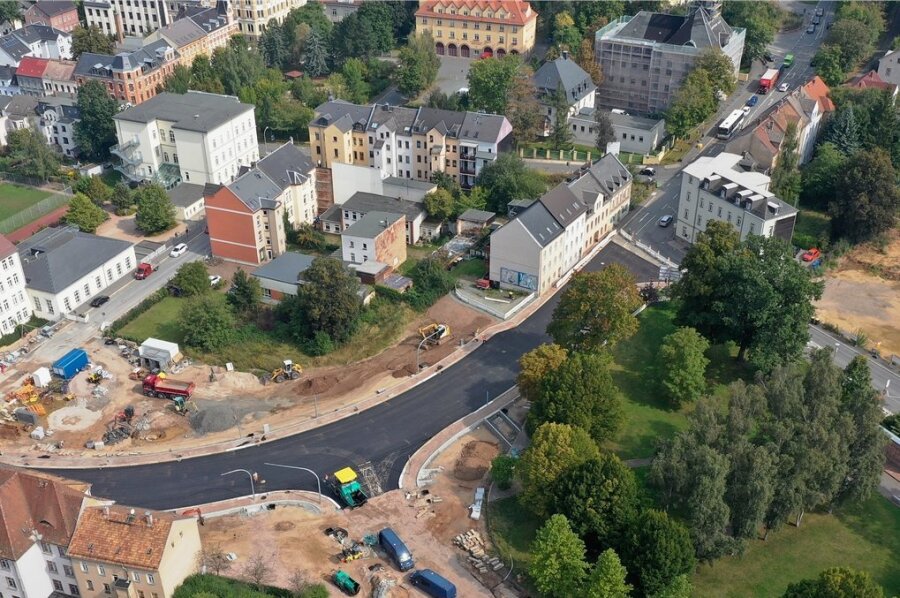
[293, 538]
[864, 294]
[124, 228]
[235, 404]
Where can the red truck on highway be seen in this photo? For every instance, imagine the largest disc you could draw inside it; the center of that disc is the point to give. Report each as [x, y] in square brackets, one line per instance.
[767, 81]
[158, 385]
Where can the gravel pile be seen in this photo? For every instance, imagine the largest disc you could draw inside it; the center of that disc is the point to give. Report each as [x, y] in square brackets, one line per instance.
[213, 418]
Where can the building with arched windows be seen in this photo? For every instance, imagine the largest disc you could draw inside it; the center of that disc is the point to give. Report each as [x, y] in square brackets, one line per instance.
[478, 28]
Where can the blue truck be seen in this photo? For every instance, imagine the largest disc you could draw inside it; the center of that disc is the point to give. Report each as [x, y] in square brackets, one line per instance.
[70, 364]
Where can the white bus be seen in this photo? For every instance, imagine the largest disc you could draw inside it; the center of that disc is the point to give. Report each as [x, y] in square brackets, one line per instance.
[731, 124]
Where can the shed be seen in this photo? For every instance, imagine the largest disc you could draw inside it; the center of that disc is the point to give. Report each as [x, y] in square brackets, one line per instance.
[473, 220]
[157, 354]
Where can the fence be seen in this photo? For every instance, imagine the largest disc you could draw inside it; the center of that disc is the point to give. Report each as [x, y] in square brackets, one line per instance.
[56, 183]
[33, 212]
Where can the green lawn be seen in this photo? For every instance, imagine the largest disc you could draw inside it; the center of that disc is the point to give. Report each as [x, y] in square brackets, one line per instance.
[866, 537]
[16, 199]
[160, 321]
[513, 528]
[472, 269]
[111, 176]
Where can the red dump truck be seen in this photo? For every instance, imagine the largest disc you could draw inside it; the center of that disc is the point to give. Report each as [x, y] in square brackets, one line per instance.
[158, 385]
[767, 81]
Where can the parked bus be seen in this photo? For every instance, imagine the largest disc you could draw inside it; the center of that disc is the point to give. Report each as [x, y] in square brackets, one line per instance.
[731, 124]
[788, 61]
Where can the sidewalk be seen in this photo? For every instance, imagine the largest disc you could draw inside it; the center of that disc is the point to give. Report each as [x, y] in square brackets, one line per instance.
[310, 501]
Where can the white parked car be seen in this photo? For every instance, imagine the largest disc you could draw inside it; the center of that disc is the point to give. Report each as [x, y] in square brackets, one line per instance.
[179, 250]
[214, 280]
[783, 87]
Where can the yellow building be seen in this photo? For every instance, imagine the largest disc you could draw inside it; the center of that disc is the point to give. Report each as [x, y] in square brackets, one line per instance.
[253, 15]
[478, 28]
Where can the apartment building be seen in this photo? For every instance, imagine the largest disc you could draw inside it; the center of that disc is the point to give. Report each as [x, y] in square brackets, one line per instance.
[130, 77]
[575, 83]
[716, 188]
[56, 118]
[645, 57]
[38, 520]
[546, 239]
[118, 550]
[197, 30]
[195, 138]
[376, 237]
[39, 41]
[338, 10]
[14, 305]
[133, 18]
[408, 143]
[59, 14]
[253, 15]
[478, 28]
[889, 67]
[340, 217]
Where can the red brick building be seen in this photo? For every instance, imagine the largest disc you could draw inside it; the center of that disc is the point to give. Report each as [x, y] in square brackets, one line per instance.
[60, 14]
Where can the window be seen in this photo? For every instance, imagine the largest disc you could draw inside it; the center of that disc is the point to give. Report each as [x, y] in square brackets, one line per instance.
[84, 567]
[107, 589]
[101, 571]
[98, 282]
[68, 571]
[51, 567]
[150, 579]
[87, 293]
[135, 576]
[67, 305]
[11, 582]
[57, 585]
[119, 269]
[49, 307]
[46, 548]
[73, 589]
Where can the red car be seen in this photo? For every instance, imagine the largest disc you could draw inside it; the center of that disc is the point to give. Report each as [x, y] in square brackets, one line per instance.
[811, 255]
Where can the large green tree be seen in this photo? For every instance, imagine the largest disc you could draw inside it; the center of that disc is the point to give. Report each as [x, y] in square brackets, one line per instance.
[237, 66]
[91, 40]
[657, 551]
[819, 180]
[536, 365]
[508, 178]
[327, 301]
[694, 102]
[708, 513]
[786, 181]
[719, 69]
[607, 578]
[315, 54]
[155, 212]
[367, 32]
[522, 107]
[837, 582]
[867, 200]
[854, 39]
[193, 279]
[605, 132]
[206, 323]
[419, 65]
[490, 81]
[95, 133]
[844, 132]
[558, 565]
[683, 362]
[84, 214]
[10, 11]
[30, 155]
[596, 309]
[829, 63]
[760, 21]
[246, 293]
[439, 204]
[93, 187]
[750, 487]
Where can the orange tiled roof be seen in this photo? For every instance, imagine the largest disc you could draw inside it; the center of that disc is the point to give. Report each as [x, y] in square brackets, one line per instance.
[817, 90]
[872, 80]
[32, 503]
[112, 535]
[520, 12]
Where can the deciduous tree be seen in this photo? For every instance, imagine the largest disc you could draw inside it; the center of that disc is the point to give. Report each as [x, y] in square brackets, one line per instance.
[490, 81]
[246, 293]
[121, 198]
[587, 61]
[193, 279]
[829, 63]
[207, 323]
[535, 366]
[760, 21]
[607, 578]
[155, 212]
[419, 65]
[750, 488]
[719, 68]
[92, 40]
[867, 200]
[560, 135]
[657, 551]
[327, 302]
[522, 107]
[503, 470]
[95, 133]
[565, 34]
[84, 214]
[708, 514]
[837, 582]
[508, 178]
[93, 187]
[30, 154]
[694, 102]
[786, 175]
[558, 564]
[683, 360]
[439, 204]
[854, 39]
[819, 179]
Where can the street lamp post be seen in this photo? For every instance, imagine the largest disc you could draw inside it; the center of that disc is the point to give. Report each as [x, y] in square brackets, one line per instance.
[266, 140]
[249, 475]
[318, 481]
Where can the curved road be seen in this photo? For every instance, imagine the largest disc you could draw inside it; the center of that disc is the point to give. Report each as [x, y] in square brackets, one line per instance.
[385, 435]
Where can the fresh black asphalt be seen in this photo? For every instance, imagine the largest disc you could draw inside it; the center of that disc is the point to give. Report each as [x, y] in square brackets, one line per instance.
[385, 435]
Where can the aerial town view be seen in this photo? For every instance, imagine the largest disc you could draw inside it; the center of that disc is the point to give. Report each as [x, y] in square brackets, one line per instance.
[449, 298]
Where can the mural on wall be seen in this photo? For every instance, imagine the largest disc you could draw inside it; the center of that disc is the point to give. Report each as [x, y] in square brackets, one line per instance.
[520, 279]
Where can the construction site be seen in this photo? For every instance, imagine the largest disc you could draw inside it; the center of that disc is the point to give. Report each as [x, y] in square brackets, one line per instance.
[125, 398]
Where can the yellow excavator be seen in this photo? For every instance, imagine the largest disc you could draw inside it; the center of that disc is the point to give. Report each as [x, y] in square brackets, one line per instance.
[288, 370]
[435, 334]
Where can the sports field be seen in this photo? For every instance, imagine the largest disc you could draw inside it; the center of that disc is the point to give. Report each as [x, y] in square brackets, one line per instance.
[14, 199]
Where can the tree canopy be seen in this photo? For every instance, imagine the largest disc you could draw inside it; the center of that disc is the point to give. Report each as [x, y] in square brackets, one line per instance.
[193, 279]
[760, 21]
[95, 133]
[207, 323]
[508, 178]
[658, 551]
[155, 212]
[490, 81]
[91, 40]
[558, 565]
[867, 200]
[536, 365]
[683, 362]
[419, 65]
[837, 582]
[246, 293]
[85, 214]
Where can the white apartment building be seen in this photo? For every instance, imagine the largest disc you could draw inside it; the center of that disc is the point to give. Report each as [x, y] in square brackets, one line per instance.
[39, 41]
[715, 188]
[14, 305]
[64, 268]
[253, 15]
[135, 18]
[195, 138]
[563, 75]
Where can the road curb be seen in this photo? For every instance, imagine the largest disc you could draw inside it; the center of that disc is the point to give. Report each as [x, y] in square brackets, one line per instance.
[300, 498]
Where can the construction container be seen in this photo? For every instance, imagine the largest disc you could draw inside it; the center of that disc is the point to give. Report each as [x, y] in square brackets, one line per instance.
[41, 377]
[70, 364]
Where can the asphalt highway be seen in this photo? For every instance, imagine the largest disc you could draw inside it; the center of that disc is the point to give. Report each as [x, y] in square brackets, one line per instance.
[384, 436]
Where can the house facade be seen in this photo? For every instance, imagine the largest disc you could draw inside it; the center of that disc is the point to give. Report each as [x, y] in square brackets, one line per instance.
[717, 188]
[57, 117]
[129, 18]
[338, 10]
[279, 277]
[197, 30]
[478, 28]
[634, 134]
[131, 77]
[376, 237]
[253, 15]
[574, 82]
[39, 41]
[59, 14]
[355, 208]
[15, 308]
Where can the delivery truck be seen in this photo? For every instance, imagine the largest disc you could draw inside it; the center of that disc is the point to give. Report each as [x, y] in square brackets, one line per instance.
[767, 81]
[159, 385]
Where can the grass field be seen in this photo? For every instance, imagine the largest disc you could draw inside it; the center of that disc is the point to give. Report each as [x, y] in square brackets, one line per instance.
[16, 199]
[810, 228]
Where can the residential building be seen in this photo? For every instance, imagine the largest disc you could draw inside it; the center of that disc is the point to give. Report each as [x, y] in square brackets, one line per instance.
[575, 83]
[716, 188]
[39, 41]
[59, 78]
[280, 276]
[193, 138]
[188, 201]
[131, 77]
[347, 179]
[37, 522]
[254, 15]
[473, 221]
[30, 75]
[57, 117]
[19, 112]
[64, 268]
[117, 550]
[645, 57]
[478, 28]
[8, 84]
[889, 67]
[14, 305]
[634, 134]
[59, 14]
[123, 18]
[338, 10]
[362, 203]
[246, 217]
[816, 99]
[376, 237]
[872, 80]
[197, 30]
[408, 143]
[545, 239]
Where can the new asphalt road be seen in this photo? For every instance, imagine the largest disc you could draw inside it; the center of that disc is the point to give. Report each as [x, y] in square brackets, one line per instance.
[384, 436]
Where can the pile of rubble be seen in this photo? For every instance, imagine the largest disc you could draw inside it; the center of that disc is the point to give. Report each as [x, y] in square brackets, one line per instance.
[473, 543]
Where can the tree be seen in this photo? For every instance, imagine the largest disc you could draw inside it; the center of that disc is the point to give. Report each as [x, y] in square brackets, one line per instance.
[759, 19]
[820, 176]
[607, 578]
[554, 449]
[750, 488]
[708, 513]
[207, 323]
[213, 559]
[854, 39]
[179, 81]
[684, 363]
[522, 107]
[315, 54]
[95, 133]
[439, 204]
[258, 570]
[558, 565]
[121, 198]
[565, 33]
[837, 582]
[844, 132]
[237, 66]
[580, 392]
[419, 65]
[508, 178]
[326, 302]
[588, 62]
[535, 366]
[204, 77]
[719, 68]
[679, 588]
[605, 132]
[503, 471]
[367, 32]
[30, 154]
[599, 497]
[92, 40]
[193, 279]
[786, 175]
[657, 551]
[475, 199]
[95, 188]
[272, 46]
[354, 72]
[694, 102]
[84, 214]
[246, 293]
[867, 200]
[560, 135]
[829, 63]
[596, 309]
[490, 81]
[10, 11]
[155, 212]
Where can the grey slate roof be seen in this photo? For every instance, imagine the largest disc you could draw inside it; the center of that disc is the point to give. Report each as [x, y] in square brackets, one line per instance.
[629, 120]
[256, 190]
[343, 114]
[566, 74]
[182, 32]
[149, 57]
[445, 121]
[32, 33]
[208, 19]
[698, 29]
[564, 205]
[6, 73]
[607, 176]
[185, 194]
[538, 221]
[473, 215]
[286, 166]
[398, 118]
[370, 202]
[332, 214]
[372, 224]
[13, 46]
[21, 106]
[481, 126]
[55, 258]
[193, 111]
[285, 268]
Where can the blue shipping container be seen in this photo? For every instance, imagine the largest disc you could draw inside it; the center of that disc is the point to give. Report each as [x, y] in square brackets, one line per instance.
[70, 364]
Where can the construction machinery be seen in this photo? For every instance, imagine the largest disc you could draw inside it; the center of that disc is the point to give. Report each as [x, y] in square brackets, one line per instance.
[95, 378]
[435, 334]
[120, 427]
[158, 385]
[197, 512]
[347, 584]
[347, 487]
[288, 370]
[182, 406]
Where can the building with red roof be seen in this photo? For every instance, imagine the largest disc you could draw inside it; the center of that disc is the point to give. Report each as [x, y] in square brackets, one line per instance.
[478, 28]
[872, 80]
[30, 74]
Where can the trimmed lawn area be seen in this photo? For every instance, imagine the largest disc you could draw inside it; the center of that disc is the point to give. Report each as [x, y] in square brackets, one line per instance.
[160, 321]
[17, 198]
[472, 269]
[866, 537]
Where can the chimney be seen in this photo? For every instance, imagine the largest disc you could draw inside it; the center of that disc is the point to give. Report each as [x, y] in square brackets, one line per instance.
[565, 54]
[120, 27]
[148, 516]
[106, 512]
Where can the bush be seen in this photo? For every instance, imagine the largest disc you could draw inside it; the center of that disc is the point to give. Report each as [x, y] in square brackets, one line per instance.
[503, 470]
[320, 344]
[892, 423]
[804, 241]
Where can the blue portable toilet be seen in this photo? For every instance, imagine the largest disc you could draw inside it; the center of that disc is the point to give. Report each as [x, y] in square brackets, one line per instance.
[70, 364]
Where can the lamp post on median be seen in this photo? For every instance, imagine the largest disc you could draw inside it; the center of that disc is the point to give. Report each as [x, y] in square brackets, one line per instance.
[318, 481]
[249, 475]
